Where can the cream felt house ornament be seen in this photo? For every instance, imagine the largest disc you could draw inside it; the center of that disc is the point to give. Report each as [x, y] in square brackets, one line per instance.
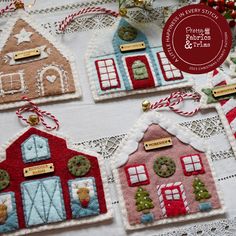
[34, 64]
[164, 183]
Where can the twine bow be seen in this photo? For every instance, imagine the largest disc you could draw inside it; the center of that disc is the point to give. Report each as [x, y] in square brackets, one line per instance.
[32, 107]
[171, 101]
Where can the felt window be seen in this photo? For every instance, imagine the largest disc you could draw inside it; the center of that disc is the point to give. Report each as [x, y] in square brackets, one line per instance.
[84, 199]
[11, 83]
[8, 215]
[137, 175]
[169, 71]
[107, 74]
[43, 201]
[192, 165]
[35, 148]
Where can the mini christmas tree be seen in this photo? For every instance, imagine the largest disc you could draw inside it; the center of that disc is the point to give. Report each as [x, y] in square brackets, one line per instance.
[200, 190]
[143, 201]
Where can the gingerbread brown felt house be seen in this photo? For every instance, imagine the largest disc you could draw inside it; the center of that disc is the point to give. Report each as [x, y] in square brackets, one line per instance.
[33, 64]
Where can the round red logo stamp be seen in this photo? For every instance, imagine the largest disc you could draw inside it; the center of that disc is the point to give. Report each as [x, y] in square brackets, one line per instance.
[196, 39]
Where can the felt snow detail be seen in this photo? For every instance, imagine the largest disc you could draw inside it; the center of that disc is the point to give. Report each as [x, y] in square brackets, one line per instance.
[23, 36]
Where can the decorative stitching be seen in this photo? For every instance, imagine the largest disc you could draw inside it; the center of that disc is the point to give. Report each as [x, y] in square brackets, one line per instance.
[173, 201]
[164, 166]
[137, 175]
[79, 165]
[8, 214]
[35, 148]
[192, 165]
[78, 208]
[34, 204]
[4, 179]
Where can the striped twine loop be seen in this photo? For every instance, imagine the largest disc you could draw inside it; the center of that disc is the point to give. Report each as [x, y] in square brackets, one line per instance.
[11, 7]
[90, 10]
[32, 107]
[176, 98]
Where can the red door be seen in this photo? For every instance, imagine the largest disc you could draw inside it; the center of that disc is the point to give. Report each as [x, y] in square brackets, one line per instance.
[141, 78]
[173, 201]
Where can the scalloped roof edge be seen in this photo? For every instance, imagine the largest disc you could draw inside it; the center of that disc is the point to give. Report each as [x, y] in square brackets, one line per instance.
[133, 138]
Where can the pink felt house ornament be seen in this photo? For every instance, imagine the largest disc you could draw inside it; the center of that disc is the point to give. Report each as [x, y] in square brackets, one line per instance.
[164, 175]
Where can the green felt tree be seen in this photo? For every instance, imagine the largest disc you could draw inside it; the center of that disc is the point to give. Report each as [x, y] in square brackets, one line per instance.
[143, 201]
[200, 190]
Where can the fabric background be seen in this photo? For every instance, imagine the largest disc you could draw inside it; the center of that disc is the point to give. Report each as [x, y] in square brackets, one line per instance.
[85, 120]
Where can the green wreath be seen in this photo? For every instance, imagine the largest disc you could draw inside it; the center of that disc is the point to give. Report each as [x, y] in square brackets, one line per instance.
[127, 33]
[79, 165]
[164, 166]
[4, 179]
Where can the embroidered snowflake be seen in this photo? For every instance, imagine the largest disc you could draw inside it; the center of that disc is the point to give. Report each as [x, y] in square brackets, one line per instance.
[23, 36]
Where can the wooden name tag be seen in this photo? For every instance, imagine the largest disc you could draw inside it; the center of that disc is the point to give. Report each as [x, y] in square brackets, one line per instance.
[157, 143]
[38, 170]
[224, 90]
[132, 46]
[26, 54]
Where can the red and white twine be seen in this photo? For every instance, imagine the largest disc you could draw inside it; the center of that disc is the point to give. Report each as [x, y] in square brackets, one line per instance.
[174, 99]
[85, 11]
[32, 107]
[11, 7]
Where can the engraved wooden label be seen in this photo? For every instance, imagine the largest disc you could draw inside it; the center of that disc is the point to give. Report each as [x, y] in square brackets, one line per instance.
[224, 90]
[38, 170]
[27, 53]
[157, 143]
[132, 46]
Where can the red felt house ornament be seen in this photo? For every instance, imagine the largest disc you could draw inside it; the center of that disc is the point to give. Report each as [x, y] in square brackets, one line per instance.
[164, 175]
[44, 179]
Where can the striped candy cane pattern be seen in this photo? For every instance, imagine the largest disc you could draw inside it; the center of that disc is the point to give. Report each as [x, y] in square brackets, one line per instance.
[175, 191]
[229, 105]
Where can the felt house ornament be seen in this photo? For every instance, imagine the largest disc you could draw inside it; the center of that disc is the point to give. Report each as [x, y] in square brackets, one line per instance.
[45, 183]
[219, 93]
[33, 64]
[164, 175]
[127, 59]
